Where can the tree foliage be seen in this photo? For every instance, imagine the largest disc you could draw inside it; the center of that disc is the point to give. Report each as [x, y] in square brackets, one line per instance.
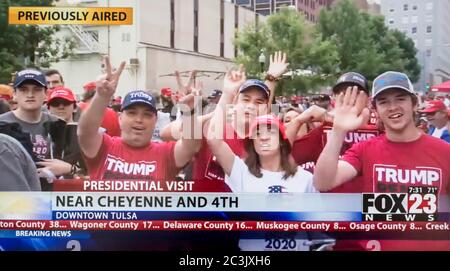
[29, 45]
[344, 39]
[287, 31]
[365, 44]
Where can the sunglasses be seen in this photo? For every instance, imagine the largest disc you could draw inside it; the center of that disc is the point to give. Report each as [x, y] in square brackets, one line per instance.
[59, 102]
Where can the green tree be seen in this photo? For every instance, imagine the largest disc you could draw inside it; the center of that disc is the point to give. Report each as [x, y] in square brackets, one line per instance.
[29, 45]
[409, 55]
[287, 31]
[365, 44]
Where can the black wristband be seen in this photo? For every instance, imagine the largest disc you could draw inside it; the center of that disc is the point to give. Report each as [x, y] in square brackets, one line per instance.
[271, 78]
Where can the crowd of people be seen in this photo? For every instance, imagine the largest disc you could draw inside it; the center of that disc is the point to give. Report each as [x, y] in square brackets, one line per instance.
[238, 139]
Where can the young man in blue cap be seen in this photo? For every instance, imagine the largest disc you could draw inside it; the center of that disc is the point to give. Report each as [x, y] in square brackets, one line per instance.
[133, 155]
[30, 92]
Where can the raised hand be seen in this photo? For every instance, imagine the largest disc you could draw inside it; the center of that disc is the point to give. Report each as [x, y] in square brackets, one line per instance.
[351, 110]
[278, 64]
[233, 80]
[183, 88]
[107, 83]
[194, 95]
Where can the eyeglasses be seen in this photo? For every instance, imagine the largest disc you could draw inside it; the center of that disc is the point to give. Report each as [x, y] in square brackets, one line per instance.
[57, 103]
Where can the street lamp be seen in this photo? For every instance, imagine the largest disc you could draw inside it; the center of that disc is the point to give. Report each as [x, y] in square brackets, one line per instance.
[262, 60]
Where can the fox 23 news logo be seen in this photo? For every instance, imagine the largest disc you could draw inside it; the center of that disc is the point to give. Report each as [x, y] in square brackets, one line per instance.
[419, 204]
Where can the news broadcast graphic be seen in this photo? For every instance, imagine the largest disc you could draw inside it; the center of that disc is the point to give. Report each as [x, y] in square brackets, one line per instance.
[128, 220]
[70, 15]
[419, 204]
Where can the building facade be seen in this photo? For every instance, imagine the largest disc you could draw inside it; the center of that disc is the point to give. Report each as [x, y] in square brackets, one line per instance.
[166, 35]
[310, 8]
[427, 23]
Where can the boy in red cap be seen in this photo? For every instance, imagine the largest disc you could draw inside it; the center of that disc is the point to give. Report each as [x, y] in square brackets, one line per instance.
[437, 115]
[61, 103]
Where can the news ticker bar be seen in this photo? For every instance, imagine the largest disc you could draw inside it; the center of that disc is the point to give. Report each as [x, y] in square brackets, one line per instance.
[180, 225]
[194, 206]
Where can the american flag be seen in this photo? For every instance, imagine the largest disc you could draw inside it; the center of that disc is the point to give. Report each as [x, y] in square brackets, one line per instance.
[276, 189]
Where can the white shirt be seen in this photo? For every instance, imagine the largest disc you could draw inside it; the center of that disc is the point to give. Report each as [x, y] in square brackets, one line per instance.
[161, 122]
[438, 132]
[241, 180]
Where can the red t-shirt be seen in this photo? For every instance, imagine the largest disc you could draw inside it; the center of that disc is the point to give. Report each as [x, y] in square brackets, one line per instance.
[110, 120]
[391, 167]
[307, 149]
[117, 160]
[386, 166]
[207, 172]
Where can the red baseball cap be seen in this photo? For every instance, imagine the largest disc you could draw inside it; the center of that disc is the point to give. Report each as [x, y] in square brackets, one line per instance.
[62, 93]
[433, 106]
[268, 120]
[89, 86]
[166, 92]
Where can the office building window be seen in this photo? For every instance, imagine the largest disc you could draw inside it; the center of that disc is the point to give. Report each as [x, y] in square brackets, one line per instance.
[391, 10]
[196, 25]
[414, 30]
[429, 29]
[414, 7]
[405, 20]
[236, 27]
[429, 52]
[172, 23]
[391, 21]
[405, 7]
[222, 26]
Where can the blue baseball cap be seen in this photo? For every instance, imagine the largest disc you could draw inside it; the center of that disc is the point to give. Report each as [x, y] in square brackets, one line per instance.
[255, 83]
[392, 80]
[138, 97]
[35, 76]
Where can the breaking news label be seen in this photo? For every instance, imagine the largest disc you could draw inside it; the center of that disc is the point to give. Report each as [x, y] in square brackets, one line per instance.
[419, 204]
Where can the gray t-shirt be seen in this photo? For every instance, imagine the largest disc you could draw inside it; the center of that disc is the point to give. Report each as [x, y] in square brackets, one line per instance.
[42, 145]
[17, 169]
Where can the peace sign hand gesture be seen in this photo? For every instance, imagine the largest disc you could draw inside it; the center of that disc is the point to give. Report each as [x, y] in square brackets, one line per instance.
[106, 84]
[233, 80]
[183, 89]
